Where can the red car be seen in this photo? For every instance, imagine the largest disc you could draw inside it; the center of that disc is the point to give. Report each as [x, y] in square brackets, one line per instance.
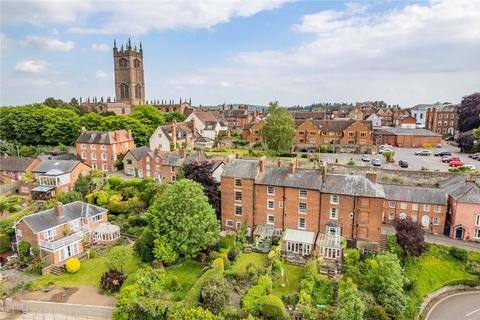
[449, 159]
[456, 164]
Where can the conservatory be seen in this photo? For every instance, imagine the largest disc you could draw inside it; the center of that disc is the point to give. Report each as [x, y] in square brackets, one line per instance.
[106, 233]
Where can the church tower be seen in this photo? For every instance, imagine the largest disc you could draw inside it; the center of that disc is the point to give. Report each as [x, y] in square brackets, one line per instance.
[129, 81]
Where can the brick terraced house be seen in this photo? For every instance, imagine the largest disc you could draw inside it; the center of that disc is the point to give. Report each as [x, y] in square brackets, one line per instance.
[65, 231]
[101, 149]
[315, 209]
[427, 206]
[13, 168]
[253, 131]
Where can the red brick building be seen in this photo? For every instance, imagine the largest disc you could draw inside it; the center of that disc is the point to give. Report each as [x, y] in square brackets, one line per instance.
[442, 119]
[406, 137]
[253, 131]
[13, 168]
[100, 150]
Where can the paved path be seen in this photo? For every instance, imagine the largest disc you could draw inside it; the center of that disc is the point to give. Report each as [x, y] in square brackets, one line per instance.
[439, 239]
[459, 306]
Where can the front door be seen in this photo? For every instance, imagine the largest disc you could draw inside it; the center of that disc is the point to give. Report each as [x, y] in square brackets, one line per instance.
[459, 233]
[425, 221]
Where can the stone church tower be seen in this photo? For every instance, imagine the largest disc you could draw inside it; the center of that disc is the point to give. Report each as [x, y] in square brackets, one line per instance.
[129, 81]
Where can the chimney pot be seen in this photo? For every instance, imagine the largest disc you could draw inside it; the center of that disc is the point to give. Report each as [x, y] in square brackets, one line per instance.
[261, 163]
[293, 166]
[59, 209]
[324, 171]
[372, 176]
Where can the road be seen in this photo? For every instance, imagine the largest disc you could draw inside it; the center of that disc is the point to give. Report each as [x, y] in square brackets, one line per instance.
[415, 162]
[459, 306]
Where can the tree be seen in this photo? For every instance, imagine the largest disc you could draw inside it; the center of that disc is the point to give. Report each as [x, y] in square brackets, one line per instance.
[350, 305]
[60, 126]
[144, 245]
[170, 116]
[388, 155]
[9, 204]
[214, 295]
[112, 280]
[84, 185]
[197, 313]
[279, 130]
[24, 252]
[92, 121]
[118, 257]
[201, 172]
[182, 213]
[148, 115]
[163, 251]
[468, 112]
[410, 236]
[273, 308]
[68, 197]
[141, 133]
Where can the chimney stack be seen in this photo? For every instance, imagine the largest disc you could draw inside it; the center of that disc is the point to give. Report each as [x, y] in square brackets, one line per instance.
[193, 126]
[182, 153]
[174, 134]
[293, 166]
[262, 161]
[372, 176]
[279, 163]
[59, 209]
[324, 171]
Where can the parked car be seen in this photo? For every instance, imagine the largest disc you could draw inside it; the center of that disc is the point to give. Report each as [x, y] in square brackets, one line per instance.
[403, 164]
[366, 158]
[449, 159]
[384, 148]
[449, 138]
[456, 164]
[443, 153]
[474, 155]
[376, 162]
[423, 153]
[470, 166]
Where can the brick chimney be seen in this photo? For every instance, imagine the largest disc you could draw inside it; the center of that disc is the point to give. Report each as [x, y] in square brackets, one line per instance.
[174, 134]
[59, 209]
[372, 176]
[262, 162]
[182, 153]
[192, 124]
[293, 166]
[324, 171]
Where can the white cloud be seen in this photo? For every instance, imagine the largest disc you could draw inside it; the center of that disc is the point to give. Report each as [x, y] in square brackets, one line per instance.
[127, 17]
[100, 75]
[32, 66]
[100, 47]
[49, 44]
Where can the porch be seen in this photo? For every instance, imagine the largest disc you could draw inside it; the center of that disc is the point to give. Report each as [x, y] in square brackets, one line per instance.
[330, 247]
[298, 243]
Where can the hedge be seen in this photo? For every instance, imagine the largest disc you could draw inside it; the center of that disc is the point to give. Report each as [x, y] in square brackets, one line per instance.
[252, 301]
[273, 308]
[193, 296]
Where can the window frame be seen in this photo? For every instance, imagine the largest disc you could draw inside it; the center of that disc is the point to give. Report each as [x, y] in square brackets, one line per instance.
[269, 188]
[334, 196]
[272, 202]
[304, 223]
[335, 215]
[303, 191]
[300, 205]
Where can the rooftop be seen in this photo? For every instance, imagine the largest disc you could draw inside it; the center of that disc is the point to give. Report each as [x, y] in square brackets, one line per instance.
[64, 166]
[415, 194]
[15, 164]
[407, 131]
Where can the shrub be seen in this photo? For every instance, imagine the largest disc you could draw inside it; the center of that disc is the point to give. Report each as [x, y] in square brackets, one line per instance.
[163, 251]
[323, 148]
[458, 253]
[144, 245]
[193, 313]
[351, 162]
[193, 296]
[4, 243]
[214, 295]
[112, 281]
[72, 265]
[118, 257]
[174, 284]
[252, 300]
[224, 257]
[273, 308]
[232, 255]
[24, 252]
[115, 182]
[92, 254]
[376, 312]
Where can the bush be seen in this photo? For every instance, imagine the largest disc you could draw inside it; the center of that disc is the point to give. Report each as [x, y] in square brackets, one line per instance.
[273, 308]
[351, 162]
[376, 312]
[232, 255]
[214, 295]
[4, 243]
[323, 148]
[72, 265]
[144, 245]
[92, 254]
[24, 252]
[252, 301]
[163, 251]
[115, 182]
[458, 253]
[112, 281]
[118, 257]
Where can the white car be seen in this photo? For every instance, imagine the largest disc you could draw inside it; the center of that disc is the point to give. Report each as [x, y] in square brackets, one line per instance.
[469, 166]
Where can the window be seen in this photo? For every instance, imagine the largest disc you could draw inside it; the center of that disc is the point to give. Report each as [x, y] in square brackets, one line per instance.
[437, 209]
[477, 220]
[302, 207]
[270, 204]
[392, 204]
[302, 223]
[124, 91]
[333, 231]
[174, 177]
[92, 147]
[313, 133]
[414, 206]
[172, 169]
[403, 215]
[238, 182]
[238, 225]
[333, 213]
[403, 205]
[82, 146]
[84, 155]
[229, 223]
[270, 190]
[477, 233]
[414, 218]
[74, 225]
[270, 219]
[351, 133]
[440, 116]
[334, 199]
[104, 156]
[391, 216]
[363, 134]
[96, 218]
[104, 166]
[93, 156]
[426, 207]
[436, 221]
[19, 233]
[49, 235]
[301, 133]
[104, 147]
[303, 194]
[238, 210]
[280, 204]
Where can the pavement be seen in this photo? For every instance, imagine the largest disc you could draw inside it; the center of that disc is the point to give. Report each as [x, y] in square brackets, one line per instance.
[459, 306]
[408, 154]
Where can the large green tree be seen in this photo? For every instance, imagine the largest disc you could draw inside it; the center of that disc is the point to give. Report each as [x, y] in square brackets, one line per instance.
[279, 130]
[60, 126]
[183, 215]
[141, 133]
[148, 115]
[350, 305]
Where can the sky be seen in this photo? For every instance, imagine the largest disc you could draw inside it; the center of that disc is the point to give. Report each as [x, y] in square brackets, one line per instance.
[296, 52]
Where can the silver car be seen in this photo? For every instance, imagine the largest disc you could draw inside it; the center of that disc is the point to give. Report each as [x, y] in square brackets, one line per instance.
[366, 158]
[376, 162]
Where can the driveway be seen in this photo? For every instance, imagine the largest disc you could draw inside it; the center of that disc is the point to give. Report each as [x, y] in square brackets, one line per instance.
[415, 162]
[459, 306]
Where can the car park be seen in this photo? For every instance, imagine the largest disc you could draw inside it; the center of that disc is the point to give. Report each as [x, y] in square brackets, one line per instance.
[403, 164]
[366, 158]
[443, 153]
[376, 162]
[423, 153]
[456, 164]
[449, 159]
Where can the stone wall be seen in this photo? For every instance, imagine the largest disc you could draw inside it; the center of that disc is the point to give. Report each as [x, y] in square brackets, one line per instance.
[96, 312]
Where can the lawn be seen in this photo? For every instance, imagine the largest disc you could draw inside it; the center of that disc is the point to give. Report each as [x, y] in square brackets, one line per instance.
[293, 274]
[187, 272]
[245, 259]
[90, 272]
[432, 271]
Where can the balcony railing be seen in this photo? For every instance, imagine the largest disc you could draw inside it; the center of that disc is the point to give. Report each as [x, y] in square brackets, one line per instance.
[55, 244]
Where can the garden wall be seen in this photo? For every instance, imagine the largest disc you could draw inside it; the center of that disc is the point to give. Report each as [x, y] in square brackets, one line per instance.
[59, 308]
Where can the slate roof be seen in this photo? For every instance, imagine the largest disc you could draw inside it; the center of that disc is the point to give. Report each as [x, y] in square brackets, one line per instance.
[206, 116]
[95, 137]
[64, 166]
[462, 190]
[195, 156]
[280, 176]
[182, 130]
[317, 115]
[15, 164]
[254, 122]
[415, 194]
[236, 113]
[351, 185]
[335, 125]
[408, 131]
[140, 152]
[241, 168]
[47, 219]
